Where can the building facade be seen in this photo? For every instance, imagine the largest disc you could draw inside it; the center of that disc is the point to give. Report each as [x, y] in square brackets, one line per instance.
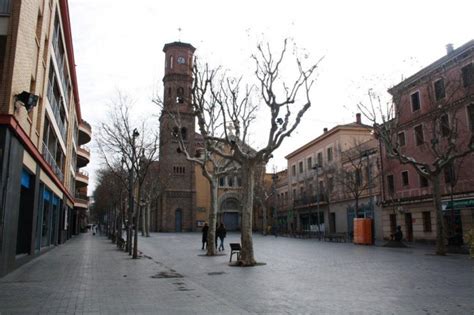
[432, 106]
[323, 178]
[43, 198]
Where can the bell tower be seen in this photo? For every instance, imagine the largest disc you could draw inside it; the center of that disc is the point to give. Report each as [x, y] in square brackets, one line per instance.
[177, 176]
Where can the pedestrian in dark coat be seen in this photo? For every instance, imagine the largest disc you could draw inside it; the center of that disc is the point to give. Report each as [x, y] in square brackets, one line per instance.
[205, 228]
[221, 234]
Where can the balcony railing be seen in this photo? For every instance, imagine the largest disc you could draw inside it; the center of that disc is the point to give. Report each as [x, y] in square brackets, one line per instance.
[82, 197]
[5, 7]
[52, 162]
[54, 102]
[310, 200]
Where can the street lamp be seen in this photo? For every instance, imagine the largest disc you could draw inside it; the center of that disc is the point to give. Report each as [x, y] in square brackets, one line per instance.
[316, 169]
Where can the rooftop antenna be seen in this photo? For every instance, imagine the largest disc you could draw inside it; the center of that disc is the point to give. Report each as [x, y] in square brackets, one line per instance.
[179, 36]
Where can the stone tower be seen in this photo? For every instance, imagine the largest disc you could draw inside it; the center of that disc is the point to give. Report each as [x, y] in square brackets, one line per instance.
[178, 202]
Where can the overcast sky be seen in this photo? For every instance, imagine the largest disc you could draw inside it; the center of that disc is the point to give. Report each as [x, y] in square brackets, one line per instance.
[366, 44]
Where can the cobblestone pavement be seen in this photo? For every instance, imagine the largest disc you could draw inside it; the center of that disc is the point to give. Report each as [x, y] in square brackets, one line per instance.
[89, 275]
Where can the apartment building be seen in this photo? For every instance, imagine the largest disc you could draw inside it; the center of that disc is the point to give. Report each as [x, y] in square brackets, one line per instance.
[318, 195]
[43, 195]
[434, 118]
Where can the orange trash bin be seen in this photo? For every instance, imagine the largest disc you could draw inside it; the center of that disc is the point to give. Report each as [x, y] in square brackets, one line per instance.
[362, 231]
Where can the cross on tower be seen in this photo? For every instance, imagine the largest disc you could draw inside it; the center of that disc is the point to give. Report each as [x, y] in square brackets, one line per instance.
[179, 36]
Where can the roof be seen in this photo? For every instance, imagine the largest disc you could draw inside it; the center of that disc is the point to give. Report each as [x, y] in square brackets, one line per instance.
[332, 131]
[178, 44]
[458, 53]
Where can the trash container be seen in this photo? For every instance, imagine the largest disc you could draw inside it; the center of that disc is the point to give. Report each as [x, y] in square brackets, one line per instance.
[362, 231]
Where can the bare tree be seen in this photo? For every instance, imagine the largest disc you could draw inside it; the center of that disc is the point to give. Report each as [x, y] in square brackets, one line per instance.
[357, 175]
[235, 103]
[212, 165]
[445, 143]
[133, 148]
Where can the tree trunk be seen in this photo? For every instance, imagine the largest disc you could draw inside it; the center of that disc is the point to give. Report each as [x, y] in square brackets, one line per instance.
[137, 221]
[211, 233]
[246, 253]
[440, 247]
[143, 223]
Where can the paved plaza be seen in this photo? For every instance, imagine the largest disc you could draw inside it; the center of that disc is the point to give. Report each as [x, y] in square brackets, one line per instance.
[301, 276]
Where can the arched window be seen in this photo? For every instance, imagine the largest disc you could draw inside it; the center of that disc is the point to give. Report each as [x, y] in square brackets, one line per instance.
[184, 133]
[230, 204]
[175, 132]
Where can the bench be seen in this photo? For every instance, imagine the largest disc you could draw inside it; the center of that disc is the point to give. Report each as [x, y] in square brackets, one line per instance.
[335, 237]
[234, 249]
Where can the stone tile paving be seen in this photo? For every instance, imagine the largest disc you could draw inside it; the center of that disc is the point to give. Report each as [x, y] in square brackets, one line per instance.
[88, 275]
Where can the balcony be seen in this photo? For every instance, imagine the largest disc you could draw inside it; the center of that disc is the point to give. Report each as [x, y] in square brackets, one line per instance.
[81, 201]
[85, 132]
[307, 201]
[83, 156]
[52, 162]
[82, 179]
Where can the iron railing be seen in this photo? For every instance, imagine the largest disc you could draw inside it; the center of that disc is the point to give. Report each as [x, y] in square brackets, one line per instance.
[52, 162]
[55, 103]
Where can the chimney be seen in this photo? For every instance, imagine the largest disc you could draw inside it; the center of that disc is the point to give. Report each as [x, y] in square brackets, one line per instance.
[358, 119]
[325, 130]
[449, 48]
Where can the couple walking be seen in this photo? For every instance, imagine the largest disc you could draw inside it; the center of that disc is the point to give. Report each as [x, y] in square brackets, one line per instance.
[221, 233]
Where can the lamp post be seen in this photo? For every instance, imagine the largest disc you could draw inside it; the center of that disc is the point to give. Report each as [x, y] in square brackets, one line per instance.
[316, 169]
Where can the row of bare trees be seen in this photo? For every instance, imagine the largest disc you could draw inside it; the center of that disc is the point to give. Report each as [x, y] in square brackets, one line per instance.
[127, 183]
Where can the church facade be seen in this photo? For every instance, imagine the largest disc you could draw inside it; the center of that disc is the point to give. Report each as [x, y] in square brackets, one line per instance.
[185, 194]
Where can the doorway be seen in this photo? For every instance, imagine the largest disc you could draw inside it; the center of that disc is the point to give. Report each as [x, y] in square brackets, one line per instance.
[408, 227]
[332, 222]
[25, 214]
[178, 220]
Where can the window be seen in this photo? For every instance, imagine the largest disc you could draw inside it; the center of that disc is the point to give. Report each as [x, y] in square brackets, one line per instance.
[293, 170]
[358, 177]
[405, 178]
[294, 194]
[426, 221]
[393, 223]
[300, 166]
[470, 113]
[423, 181]
[222, 181]
[309, 163]
[439, 89]
[419, 139]
[180, 95]
[415, 101]
[329, 154]
[401, 139]
[230, 181]
[468, 75]
[449, 174]
[320, 159]
[444, 125]
[179, 170]
[330, 183]
[239, 181]
[184, 133]
[301, 192]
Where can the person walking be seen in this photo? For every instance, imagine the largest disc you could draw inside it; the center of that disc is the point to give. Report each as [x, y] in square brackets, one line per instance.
[221, 233]
[205, 229]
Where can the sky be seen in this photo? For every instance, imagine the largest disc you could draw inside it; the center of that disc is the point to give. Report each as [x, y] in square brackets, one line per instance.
[364, 44]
